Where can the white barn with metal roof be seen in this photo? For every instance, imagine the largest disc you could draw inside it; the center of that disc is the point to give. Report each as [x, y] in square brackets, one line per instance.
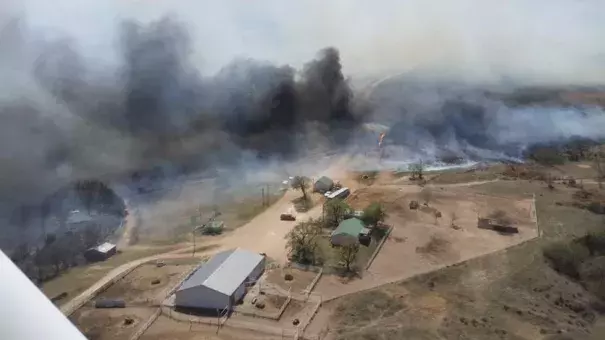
[220, 282]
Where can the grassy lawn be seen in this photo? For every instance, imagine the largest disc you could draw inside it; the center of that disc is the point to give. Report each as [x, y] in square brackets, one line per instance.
[330, 257]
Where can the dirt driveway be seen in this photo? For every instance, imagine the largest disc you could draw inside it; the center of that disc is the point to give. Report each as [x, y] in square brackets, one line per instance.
[266, 232]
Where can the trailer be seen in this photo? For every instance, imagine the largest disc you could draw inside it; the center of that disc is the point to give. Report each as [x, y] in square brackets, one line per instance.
[340, 193]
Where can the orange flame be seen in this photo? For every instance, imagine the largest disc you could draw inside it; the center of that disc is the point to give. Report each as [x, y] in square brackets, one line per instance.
[380, 139]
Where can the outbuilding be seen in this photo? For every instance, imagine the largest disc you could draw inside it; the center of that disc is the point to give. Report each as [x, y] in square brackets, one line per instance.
[341, 193]
[323, 184]
[101, 252]
[348, 232]
[221, 282]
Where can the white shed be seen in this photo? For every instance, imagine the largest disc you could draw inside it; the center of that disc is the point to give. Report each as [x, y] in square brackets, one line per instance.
[220, 282]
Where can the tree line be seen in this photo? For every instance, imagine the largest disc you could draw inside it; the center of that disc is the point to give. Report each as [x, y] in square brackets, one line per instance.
[62, 244]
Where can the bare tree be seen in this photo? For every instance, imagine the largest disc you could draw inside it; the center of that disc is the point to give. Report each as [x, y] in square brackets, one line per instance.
[302, 241]
[347, 256]
[300, 183]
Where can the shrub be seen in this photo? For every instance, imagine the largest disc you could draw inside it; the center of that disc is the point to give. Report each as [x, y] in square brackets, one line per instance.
[414, 205]
[566, 258]
[592, 273]
[596, 207]
[595, 243]
[547, 156]
[374, 214]
[592, 201]
[212, 230]
[288, 277]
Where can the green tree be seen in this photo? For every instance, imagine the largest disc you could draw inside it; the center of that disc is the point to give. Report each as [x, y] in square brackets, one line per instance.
[347, 255]
[334, 212]
[417, 170]
[301, 183]
[302, 241]
[374, 214]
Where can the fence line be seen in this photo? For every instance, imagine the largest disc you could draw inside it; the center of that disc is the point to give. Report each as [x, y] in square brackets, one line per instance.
[534, 213]
[71, 309]
[306, 268]
[262, 314]
[304, 325]
[236, 324]
[377, 250]
[146, 325]
[313, 283]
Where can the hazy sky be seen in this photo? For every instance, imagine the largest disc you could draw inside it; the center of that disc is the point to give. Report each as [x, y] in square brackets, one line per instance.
[538, 40]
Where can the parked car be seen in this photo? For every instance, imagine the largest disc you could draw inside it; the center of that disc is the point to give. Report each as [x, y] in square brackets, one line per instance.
[287, 217]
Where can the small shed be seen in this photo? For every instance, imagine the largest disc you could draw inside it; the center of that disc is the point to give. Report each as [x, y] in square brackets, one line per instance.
[348, 232]
[365, 236]
[323, 184]
[340, 193]
[101, 252]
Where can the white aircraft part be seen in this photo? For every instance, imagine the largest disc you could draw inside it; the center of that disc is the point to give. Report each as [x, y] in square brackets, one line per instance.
[26, 313]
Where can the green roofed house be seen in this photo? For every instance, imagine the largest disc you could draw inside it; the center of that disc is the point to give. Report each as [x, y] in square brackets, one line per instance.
[349, 232]
[323, 184]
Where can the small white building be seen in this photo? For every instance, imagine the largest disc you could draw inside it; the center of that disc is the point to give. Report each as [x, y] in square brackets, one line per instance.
[221, 282]
[101, 252]
[340, 193]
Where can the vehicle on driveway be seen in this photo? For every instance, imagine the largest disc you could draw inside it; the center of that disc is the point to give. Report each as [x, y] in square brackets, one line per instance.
[287, 217]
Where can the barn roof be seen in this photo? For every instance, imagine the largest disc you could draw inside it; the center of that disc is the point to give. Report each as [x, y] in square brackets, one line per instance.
[224, 272]
[352, 226]
[102, 248]
[324, 182]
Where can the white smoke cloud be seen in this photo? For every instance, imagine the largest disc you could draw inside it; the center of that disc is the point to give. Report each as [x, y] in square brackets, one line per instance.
[554, 41]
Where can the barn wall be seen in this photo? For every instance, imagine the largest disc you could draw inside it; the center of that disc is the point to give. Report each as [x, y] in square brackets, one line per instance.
[343, 239]
[257, 271]
[201, 297]
[239, 293]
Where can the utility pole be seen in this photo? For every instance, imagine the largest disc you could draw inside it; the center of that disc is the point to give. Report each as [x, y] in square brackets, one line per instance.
[599, 169]
[200, 225]
[194, 227]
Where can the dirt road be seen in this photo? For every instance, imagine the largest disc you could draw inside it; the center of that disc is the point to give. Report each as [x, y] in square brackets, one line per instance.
[266, 232]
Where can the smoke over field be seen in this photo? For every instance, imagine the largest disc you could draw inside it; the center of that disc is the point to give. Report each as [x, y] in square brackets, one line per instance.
[147, 90]
[429, 121]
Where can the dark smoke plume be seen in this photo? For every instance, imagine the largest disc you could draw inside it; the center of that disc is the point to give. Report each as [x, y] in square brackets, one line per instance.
[65, 120]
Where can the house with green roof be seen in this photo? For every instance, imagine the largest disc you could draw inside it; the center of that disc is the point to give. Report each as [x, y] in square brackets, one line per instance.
[350, 231]
[323, 184]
